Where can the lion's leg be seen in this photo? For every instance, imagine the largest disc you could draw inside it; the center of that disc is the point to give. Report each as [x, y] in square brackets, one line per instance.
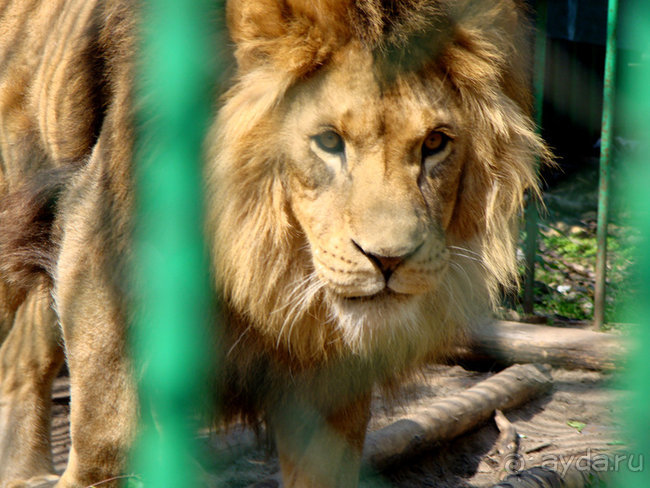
[90, 297]
[321, 453]
[30, 358]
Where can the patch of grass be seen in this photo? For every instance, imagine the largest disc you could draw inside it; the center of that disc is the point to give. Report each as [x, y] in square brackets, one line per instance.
[565, 263]
[565, 275]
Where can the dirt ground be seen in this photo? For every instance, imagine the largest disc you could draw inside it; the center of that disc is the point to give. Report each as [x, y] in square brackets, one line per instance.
[576, 420]
[550, 430]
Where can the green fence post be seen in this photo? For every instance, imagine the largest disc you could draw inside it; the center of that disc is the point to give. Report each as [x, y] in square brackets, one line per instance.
[636, 103]
[532, 212]
[605, 160]
[175, 78]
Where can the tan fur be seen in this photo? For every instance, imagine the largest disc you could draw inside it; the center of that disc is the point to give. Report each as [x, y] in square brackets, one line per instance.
[339, 271]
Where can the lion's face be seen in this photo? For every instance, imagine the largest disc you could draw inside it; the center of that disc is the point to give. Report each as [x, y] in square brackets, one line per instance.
[374, 172]
[364, 183]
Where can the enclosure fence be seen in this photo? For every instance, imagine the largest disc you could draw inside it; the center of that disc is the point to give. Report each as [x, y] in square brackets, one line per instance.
[605, 163]
[635, 96]
[176, 77]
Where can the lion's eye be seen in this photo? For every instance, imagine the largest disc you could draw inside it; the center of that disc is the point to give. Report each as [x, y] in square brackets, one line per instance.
[434, 143]
[329, 141]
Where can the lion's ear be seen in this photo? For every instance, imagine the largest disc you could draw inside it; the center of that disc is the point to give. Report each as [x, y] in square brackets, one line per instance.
[328, 14]
[292, 34]
[250, 21]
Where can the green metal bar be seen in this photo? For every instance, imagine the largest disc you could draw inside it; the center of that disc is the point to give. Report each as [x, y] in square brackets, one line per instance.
[605, 163]
[635, 97]
[532, 212]
[172, 292]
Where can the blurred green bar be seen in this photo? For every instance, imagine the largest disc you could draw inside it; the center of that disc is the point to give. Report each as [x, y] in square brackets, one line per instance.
[636, 103]
[175, 80]
[532, 212]
[609, 89]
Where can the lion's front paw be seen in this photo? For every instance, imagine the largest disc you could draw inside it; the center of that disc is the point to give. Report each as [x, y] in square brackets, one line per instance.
[44, 481]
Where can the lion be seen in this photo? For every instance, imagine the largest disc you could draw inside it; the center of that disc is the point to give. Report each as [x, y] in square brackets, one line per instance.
[364, 174]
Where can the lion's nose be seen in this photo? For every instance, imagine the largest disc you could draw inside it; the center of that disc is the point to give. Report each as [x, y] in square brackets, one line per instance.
[386, 264]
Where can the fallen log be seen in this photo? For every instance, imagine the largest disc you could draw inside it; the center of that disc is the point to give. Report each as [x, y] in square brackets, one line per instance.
[513, 342]
[452, 416]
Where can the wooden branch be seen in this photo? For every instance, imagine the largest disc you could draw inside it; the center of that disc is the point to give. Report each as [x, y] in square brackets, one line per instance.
[452, 416]
[508, 441]
[512, 342]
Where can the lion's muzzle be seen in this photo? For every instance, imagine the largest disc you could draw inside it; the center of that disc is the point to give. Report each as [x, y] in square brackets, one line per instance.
[386, 264]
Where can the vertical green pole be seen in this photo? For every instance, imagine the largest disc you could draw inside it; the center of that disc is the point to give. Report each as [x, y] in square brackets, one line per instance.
[532, 213]
[172, 292]
[636, 103]
[605, 160]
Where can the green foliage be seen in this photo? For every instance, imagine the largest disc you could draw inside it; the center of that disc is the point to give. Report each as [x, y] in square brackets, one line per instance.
[565, 277]
[579, 426]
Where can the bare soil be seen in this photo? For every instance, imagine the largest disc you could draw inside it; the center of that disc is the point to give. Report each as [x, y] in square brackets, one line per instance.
[578, 418]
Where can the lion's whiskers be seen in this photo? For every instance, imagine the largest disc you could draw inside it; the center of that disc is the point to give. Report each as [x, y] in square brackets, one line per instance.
[296, 290]
[300, 299]
[466, 250]
[470, 290]
[241, 336]
[478, 260]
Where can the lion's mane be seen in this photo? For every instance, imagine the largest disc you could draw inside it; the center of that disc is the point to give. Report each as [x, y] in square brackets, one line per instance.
[260, 254]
